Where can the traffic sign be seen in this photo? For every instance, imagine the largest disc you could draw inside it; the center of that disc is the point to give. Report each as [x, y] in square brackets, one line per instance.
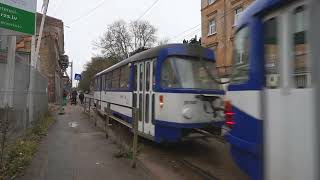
[19, 16]
[77, 77]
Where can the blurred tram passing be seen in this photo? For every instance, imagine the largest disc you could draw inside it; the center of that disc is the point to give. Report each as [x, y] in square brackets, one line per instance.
[173, 86]
[271, 100]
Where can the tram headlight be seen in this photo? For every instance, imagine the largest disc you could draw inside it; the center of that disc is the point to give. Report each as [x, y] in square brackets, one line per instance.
[187, 113]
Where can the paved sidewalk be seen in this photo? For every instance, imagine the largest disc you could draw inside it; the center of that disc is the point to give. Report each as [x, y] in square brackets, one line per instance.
[75, 150]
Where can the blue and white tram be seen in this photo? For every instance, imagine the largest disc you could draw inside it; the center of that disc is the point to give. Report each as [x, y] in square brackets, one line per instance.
[269, 107]
[172, 86]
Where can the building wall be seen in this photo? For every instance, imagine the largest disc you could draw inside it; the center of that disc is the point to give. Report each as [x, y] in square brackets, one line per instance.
[223, 12]
[48, 65]
[51, 49]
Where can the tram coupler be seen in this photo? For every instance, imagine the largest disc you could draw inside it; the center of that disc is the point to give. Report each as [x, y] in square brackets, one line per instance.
[215, 103]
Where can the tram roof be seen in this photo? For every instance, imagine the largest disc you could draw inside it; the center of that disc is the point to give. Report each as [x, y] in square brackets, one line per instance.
[175, 49]
[259, 6]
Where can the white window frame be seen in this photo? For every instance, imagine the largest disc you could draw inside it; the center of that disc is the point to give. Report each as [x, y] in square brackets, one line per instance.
[237, 15]
[210, 27]
[211, 2]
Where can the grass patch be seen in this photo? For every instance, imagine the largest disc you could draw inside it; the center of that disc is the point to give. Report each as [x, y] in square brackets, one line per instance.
[124, 153]
[121, 153]
[19, 154]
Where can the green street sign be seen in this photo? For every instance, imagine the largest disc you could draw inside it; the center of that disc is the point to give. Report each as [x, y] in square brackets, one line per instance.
[18, 16]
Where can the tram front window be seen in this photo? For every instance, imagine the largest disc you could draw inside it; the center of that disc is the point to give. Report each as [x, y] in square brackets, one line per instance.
[241, 57]
[188, 73]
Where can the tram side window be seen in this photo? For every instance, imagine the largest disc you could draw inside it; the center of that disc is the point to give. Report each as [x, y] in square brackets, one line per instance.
[96, 84]
[302, 75]
[154, 74]
[115, 79]
[168, 77]
[135, 77]
[103, 82]
[108, 81]
[148, 76]
[141, 78]
[100, 83]
[124, 77]
[241, 59]
[271, 57]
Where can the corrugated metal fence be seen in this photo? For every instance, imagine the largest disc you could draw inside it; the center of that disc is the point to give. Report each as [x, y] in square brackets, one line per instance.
[15, 114]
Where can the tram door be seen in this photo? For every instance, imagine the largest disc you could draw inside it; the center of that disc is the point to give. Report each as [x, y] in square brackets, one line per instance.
[143, 96]
[288, 96]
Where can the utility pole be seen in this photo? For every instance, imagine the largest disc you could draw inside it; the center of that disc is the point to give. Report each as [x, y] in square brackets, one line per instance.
[33, 64]
[71, 76]
[34, 60]
[9, 79]
[45, 10]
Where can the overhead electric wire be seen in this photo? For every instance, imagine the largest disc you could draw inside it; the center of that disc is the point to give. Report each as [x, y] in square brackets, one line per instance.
[185, 31]
[145, 12]
[87, 13]
[193, 32]
[218, 19]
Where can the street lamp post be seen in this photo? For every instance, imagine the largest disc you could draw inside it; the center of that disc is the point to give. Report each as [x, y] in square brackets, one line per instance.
[71, 75]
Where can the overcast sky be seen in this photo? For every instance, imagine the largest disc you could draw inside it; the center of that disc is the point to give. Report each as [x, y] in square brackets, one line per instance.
[170, 17]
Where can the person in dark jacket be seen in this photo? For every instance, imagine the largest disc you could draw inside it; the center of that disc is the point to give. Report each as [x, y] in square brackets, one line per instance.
[74, 95]
[81, 97]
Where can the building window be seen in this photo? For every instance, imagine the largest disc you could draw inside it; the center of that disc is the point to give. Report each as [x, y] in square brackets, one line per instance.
[237, 14]
[211, 2]
[302, 73]
[271, 54]
[212, 27]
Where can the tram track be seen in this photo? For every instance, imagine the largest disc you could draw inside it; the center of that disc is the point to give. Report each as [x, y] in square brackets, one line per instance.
[199, 171]
[196, 158]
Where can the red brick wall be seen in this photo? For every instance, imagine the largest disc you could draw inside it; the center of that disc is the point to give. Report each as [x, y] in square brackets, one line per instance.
[222, 41]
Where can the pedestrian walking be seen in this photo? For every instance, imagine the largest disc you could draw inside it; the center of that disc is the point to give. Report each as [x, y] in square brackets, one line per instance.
[65, 95]
[81, 97]
[74, 97]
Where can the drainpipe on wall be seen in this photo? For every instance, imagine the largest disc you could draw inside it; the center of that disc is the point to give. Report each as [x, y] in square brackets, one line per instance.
[225, 34]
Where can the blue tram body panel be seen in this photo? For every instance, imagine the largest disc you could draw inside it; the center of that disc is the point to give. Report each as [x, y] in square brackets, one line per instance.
[245, 139]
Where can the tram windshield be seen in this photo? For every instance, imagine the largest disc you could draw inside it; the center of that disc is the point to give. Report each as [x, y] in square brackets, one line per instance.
[188, 73]
[241, 57]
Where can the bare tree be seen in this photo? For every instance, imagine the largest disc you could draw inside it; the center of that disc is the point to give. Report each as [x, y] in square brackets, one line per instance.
[121, 39]
[116, 42]
[143, 34]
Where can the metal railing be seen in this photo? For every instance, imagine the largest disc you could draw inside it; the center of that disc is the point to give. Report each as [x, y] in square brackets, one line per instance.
[108, 116]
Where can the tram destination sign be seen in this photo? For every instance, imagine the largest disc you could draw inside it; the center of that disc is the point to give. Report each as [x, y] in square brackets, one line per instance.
[18, 15]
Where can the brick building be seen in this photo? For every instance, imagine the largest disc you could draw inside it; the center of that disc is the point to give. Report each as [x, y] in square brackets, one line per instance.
[50, 55]
[218, 19]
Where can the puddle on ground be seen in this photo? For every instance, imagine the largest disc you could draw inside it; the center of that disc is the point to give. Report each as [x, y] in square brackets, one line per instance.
[73, 124]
